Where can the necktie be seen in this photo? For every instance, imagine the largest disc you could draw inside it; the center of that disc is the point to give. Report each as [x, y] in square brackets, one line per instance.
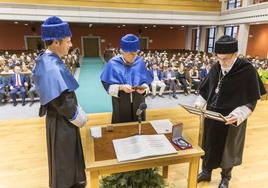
[17, 80]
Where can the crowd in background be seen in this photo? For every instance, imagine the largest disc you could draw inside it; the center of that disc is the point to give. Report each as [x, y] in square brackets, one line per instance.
[171, 72]
[16, 71]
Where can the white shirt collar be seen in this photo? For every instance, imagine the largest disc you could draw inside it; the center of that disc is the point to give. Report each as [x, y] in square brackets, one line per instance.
[48, 51]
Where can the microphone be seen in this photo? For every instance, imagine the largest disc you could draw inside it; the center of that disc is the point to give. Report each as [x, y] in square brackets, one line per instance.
[141, 108]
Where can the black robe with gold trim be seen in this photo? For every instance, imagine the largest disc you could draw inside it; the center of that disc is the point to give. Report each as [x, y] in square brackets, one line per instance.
[223, 144]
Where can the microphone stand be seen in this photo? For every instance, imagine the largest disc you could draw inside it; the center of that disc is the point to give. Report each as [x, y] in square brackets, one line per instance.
[139, 119]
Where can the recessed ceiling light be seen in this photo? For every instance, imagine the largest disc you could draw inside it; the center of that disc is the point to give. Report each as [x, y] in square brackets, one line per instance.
[124, 25]
[90, 25]
[16, 22]
[182, 26]
[145, 27]
[26, 24]
[118, 26]
[258, 23]
[154, 25]
[171, 27]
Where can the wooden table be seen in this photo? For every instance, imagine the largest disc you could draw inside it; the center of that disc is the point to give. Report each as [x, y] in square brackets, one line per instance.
[100, 156]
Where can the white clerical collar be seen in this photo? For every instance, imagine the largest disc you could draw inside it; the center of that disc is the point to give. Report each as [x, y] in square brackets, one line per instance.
[226, 70]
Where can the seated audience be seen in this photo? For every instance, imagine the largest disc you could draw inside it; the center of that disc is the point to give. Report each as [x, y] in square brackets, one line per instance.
[2, 89]
[32, 92]
[170, 80]
[181, 76]
[157, 81]
[17, 83]
[194, 75]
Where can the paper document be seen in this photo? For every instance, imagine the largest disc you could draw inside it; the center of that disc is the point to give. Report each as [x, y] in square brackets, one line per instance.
[95, 132]
[141, 146]
[162, 126]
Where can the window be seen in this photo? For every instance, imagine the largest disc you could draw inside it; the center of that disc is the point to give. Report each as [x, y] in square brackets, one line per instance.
[197, 39]
[211, 39]
[231, 31]
[233, 4]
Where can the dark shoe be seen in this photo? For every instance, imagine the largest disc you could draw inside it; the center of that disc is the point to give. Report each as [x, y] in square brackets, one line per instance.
[175, 97]
[23, 104]
[31, 104]
[224, 183]
[15, 104]
[203, 176]
[161, 96]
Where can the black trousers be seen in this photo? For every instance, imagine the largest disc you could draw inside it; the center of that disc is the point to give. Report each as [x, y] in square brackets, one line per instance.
[225, 173]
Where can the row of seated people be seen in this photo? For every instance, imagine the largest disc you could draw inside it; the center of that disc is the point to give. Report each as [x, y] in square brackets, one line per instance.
[189, 68]
[176, 77]
[15, 75]
[18, 82]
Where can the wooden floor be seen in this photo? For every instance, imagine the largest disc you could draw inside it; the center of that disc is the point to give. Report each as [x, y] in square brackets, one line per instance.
[23, 157]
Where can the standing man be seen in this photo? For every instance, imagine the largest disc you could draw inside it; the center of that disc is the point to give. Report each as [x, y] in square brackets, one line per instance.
[55, 86]
[231, 88]
[120, 74]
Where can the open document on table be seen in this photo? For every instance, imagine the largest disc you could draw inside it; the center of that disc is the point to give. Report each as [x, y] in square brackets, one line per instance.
[141, 146]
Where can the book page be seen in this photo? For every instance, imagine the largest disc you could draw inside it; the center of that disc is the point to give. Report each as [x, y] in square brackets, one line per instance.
[140, 146]
[158, 145]
[128, 148]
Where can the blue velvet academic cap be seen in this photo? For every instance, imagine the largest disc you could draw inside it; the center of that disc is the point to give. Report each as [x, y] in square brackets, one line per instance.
[55, 29]
[130, 43]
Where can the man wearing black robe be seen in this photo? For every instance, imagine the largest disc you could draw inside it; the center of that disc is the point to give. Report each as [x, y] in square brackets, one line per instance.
[126, 79]
[55, 86]
[231, 88]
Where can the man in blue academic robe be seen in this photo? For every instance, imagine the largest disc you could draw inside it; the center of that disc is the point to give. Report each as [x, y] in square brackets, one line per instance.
[120, 76]
[55, 86]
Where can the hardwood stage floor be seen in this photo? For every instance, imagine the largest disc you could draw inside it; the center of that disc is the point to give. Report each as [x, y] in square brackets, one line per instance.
[23, 157]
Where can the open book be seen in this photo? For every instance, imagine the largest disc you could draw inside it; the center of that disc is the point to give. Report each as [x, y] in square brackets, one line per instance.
[206, 113]
[141, 146]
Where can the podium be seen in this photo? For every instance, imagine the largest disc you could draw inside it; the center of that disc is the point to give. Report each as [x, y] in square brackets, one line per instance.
[100, 157]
